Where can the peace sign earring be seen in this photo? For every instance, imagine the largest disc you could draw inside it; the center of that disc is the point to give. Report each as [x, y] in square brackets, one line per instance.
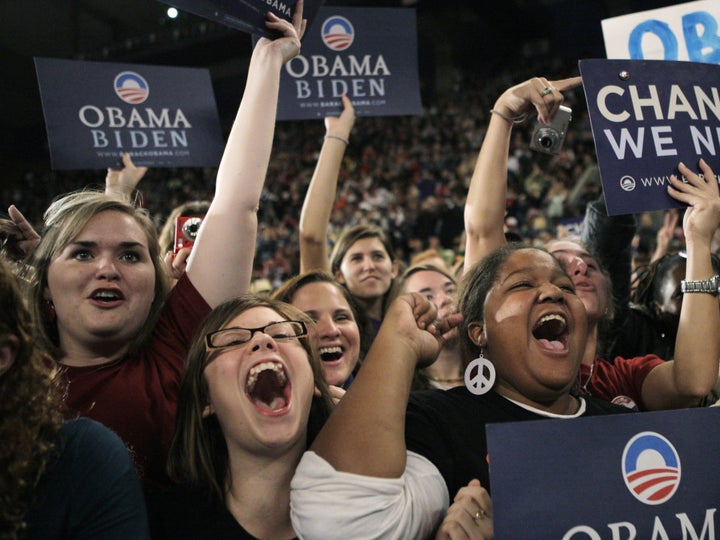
[479, 383]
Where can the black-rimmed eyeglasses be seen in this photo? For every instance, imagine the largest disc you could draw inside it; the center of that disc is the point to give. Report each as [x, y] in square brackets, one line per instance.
[236, 336]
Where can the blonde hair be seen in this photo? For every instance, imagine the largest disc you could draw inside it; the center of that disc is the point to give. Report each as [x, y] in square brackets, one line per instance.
[64, 219]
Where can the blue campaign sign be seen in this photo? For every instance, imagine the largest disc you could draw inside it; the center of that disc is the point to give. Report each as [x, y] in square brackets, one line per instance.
[647, 116]
[162, 116]
[246, 15]
[368, 53]
[639, 475]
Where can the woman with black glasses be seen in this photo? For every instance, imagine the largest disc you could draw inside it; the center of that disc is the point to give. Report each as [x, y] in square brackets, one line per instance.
[252, 397]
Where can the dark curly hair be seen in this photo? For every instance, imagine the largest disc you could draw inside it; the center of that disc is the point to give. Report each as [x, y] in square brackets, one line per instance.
[30, 413]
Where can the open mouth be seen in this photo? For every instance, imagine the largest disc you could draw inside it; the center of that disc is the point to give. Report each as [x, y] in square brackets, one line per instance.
[551, 331]
[268, 387]
[584, 285]
[105, 296]
[331, 354]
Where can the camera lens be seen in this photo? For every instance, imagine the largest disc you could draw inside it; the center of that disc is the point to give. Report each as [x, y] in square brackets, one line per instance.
[546, 142]
[547, 138]
[191, 227]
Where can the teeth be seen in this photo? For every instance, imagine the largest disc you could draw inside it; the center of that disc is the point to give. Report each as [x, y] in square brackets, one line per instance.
[106, 295]
[552, 317]
[331, 350]
[256, 370]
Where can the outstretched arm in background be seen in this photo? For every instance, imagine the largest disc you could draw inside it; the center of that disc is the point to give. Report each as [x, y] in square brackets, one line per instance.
[117, 182]
[220, 265]
[485, 205]
[124, 181]
[320, 196]
[26, 237]
[694, 371]
[665, 234]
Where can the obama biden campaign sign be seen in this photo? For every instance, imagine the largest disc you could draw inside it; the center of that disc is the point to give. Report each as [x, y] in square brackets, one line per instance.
[95, 111]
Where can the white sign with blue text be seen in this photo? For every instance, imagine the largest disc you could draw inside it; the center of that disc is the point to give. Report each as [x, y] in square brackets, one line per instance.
[686, 31]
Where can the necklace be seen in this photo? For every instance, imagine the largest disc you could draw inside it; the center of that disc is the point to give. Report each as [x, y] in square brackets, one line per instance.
[451, 380]
[62, 372]
[584, 386]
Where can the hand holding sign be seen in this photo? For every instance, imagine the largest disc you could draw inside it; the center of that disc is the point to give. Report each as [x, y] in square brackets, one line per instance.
[289, 44]
[702, 218]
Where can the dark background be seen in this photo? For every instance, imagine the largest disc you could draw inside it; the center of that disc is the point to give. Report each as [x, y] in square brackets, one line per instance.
[477, 36]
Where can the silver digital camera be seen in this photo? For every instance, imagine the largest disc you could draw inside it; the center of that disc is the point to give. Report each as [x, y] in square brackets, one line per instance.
[548, 138]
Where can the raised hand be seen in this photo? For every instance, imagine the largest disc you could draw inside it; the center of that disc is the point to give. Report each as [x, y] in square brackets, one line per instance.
[538, 94]
[124, 181]
[289, 45]
[702, 218]
[413, 317]
[27, 238]
[341, 126]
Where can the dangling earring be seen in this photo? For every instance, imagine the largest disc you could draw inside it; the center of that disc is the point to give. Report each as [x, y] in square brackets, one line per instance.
[49, 310]
[480, 384]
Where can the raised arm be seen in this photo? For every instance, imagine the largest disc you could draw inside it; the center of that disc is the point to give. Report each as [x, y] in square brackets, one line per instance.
[665, 235]
[485, 204]
[25, 237]
[694, 371]
[220, 265]
[320, 195]
[124, 181]
[361, 455]
[366, 432]
[609, 238]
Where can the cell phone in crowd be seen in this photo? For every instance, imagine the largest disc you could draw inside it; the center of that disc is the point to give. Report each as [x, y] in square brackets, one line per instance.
[548, 138]
[186, 229]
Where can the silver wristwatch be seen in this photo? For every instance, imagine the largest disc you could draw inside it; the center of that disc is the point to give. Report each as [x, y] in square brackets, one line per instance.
[709, 286]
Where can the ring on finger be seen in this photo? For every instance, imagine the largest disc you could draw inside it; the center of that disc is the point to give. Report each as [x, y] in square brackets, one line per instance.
[480, 515]
[547, 90]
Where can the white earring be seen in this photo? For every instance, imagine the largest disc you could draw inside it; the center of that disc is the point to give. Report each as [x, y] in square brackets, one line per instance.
[478, 383]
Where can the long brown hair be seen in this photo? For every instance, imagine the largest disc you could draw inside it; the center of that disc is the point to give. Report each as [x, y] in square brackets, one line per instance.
[198, 455]
[347, 240]
[30, 415]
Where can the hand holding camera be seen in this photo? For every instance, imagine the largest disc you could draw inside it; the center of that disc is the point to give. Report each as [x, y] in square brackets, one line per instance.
[548, 138]
[186, 230]
[545, 98]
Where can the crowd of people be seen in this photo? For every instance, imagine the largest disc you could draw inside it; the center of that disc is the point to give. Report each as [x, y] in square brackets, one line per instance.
[313, 347]
[407, 175]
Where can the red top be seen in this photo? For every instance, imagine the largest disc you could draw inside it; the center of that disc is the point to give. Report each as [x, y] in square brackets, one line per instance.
[137, 396]
[619, 382]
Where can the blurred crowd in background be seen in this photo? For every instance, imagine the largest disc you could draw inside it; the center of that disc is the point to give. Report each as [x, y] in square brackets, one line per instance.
[407, 174]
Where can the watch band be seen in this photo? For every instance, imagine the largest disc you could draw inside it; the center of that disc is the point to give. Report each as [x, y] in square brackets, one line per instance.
[708, 286]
